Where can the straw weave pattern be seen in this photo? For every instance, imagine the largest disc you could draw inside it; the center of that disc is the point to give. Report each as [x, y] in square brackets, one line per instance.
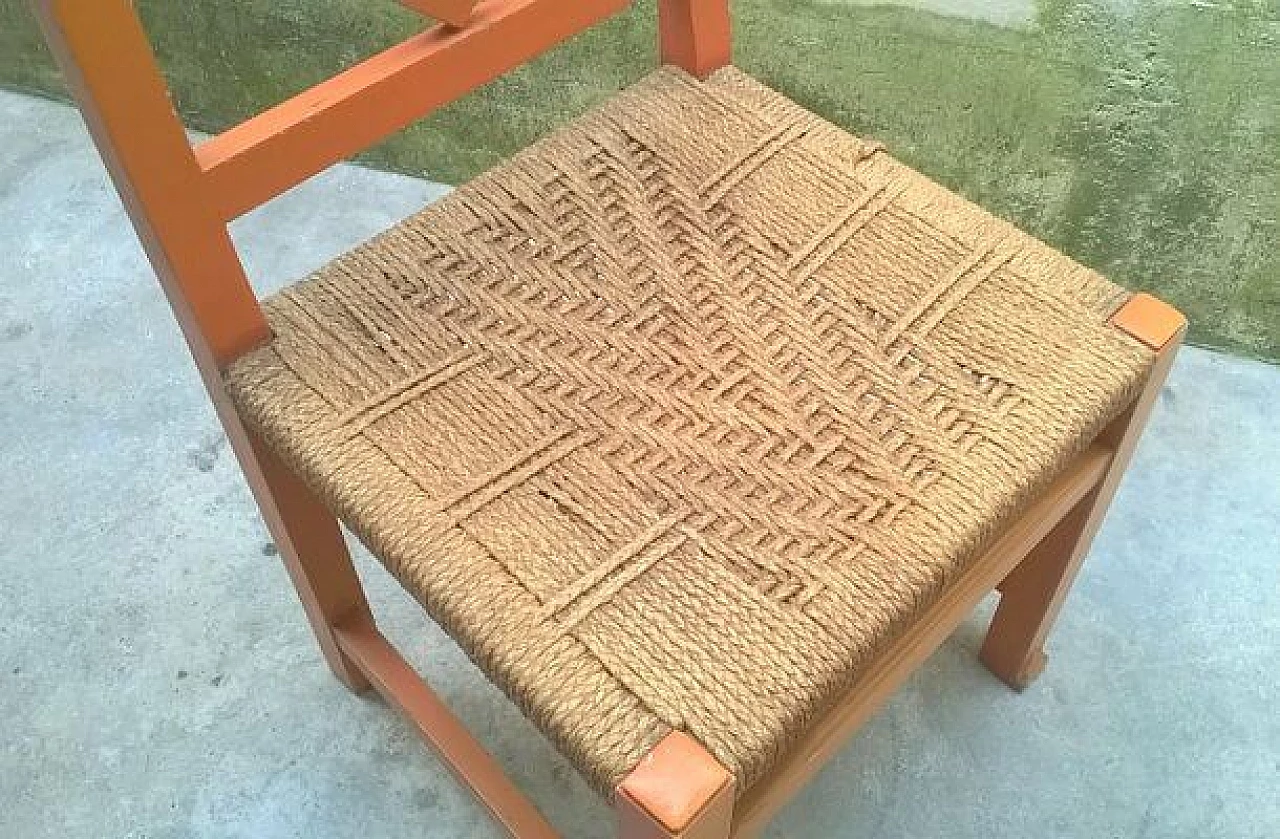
[677, 417]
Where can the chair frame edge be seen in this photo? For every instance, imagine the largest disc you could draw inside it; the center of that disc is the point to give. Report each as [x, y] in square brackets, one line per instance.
[1032, 596]
[1032, 565]
[170, 192]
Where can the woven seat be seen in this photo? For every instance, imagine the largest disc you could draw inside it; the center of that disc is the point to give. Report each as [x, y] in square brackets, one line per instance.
[680, 415]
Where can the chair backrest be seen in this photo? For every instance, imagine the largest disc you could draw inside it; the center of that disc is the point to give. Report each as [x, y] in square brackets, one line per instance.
[181, 198]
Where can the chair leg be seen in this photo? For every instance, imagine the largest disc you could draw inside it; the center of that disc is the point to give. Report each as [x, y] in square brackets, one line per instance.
[310, 542]
[695, 35]
[1032, 595]
[679, 791]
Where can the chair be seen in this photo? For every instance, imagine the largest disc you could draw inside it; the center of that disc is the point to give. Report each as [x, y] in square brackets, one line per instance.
[699, 424]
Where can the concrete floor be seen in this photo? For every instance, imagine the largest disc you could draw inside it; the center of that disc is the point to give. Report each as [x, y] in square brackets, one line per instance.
[157, 678]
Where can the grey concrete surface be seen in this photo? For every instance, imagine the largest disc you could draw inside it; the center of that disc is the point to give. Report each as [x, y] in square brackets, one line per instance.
[157, 678]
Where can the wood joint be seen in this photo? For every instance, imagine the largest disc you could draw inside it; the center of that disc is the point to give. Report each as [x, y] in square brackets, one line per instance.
[1150, 320]
[404, 690]
[456, 13]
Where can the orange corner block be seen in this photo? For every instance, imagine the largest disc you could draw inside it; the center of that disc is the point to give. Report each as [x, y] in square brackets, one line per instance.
[675, 781]
[1150, 320]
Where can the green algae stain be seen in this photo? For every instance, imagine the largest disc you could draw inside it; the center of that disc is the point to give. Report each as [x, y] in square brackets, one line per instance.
[1141, 137]
[1174, 161]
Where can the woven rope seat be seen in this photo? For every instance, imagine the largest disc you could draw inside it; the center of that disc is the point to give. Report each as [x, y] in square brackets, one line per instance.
[679, 416]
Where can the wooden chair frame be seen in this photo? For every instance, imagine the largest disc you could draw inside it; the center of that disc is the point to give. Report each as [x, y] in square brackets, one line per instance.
[181, 198]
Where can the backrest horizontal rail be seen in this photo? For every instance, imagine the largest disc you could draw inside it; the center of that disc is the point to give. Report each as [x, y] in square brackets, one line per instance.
[109, 67]
[283, 146]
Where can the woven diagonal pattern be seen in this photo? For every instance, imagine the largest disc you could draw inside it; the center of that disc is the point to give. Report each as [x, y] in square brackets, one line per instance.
[677, 417]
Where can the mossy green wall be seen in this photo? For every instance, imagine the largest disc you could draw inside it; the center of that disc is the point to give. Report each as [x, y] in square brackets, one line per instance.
[1140, 136]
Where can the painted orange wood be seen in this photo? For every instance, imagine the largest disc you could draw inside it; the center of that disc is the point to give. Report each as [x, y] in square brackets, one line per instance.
[678, 790]
[108, 65]
[1149, 319]
[1033, 594]
[264, 156]
[402, 688]
[453, 12]
[310, 543]
[695, 34]
[179, 201]
[893, 666]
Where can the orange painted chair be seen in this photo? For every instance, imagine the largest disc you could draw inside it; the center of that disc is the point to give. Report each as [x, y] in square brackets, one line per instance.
[699, 424]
